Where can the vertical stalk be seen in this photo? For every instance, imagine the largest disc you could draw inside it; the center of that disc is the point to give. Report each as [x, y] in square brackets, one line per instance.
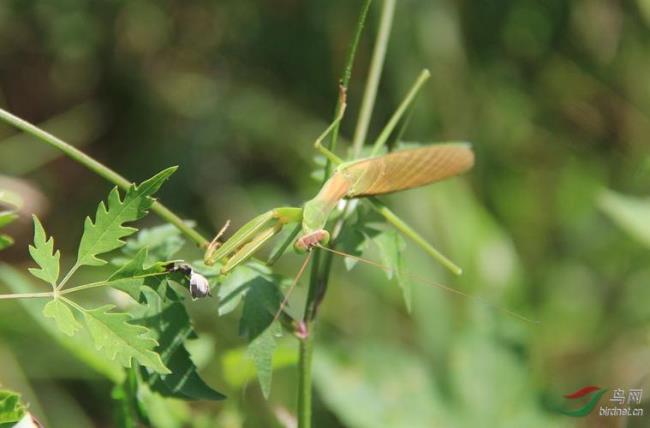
[374, 75]
[304, 381]
[318, 277]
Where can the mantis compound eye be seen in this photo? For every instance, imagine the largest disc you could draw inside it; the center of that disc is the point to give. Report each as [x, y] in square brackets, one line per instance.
[310, 240]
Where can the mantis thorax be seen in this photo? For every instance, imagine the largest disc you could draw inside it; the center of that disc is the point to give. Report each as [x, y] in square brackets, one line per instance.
[314, 218]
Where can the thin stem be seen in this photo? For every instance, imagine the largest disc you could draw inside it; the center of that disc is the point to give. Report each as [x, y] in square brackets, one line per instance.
[26, 295]
[316, 285]
[406, 102]
[345, 78]
[374, 75]
[74, 305]
[104, 283]
[67, 277]
[99, 169]
[306, 351]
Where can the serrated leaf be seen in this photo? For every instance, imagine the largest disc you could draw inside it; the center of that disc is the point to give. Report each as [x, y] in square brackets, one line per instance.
[124, 279]
[391, 249]
[170, 323]
[122, 341]
[629, 213]
[44, 255]
[62, 315]
[106, 233]
[261, 351]
[80, 345]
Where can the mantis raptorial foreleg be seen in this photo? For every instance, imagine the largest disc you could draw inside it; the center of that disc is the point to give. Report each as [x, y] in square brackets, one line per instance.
[250, 237]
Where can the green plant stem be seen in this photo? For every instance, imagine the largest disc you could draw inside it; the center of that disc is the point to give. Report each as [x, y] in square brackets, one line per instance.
[74, 305]
[305, 381]
[374, 75]
[26, 295]
[345, 78]
[99, 169]
[316, 282]
[67, 277]
[104, 283]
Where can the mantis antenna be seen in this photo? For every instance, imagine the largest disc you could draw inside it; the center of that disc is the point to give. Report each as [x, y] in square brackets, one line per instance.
[433, 284]
[293, 285]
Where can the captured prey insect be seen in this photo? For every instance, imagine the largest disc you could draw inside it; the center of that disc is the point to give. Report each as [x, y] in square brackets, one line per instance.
[376, 175]
[198, 284]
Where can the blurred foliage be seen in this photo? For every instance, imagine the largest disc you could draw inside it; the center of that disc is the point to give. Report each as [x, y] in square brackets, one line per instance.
[553, 95]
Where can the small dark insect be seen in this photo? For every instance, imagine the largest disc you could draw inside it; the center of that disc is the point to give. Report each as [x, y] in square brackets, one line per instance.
[199, 286]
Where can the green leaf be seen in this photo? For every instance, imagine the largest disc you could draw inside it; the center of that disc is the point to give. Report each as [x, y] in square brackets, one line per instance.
[169, 322]
[391, 248]
[122, 341]
[5, 241]
[354, 239]
[11, 408]
[629, 213]
[62, 315]
[44, 255]
[233, 289]
[239, 368]
[261, 303]
[80, 345]
[162, 243]
[261, 351]
[106, 232]
[126, 278]
[7, 217]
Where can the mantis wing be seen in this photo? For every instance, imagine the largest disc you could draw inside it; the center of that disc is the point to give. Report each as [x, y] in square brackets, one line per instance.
[406, 169]
[393, 172]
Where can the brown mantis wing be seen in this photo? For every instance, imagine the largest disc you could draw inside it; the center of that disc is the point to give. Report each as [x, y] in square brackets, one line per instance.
[406, 169]
[393, 172]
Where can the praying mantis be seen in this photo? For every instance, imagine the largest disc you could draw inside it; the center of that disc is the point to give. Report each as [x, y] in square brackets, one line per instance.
[367, 177]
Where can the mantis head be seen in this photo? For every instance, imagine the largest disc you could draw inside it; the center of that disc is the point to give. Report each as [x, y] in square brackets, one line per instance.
[310, 239]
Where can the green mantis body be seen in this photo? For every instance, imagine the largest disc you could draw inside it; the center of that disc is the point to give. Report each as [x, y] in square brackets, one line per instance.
[393, 172]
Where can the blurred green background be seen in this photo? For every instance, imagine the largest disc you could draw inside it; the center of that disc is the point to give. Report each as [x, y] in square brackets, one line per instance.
[554, 95]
